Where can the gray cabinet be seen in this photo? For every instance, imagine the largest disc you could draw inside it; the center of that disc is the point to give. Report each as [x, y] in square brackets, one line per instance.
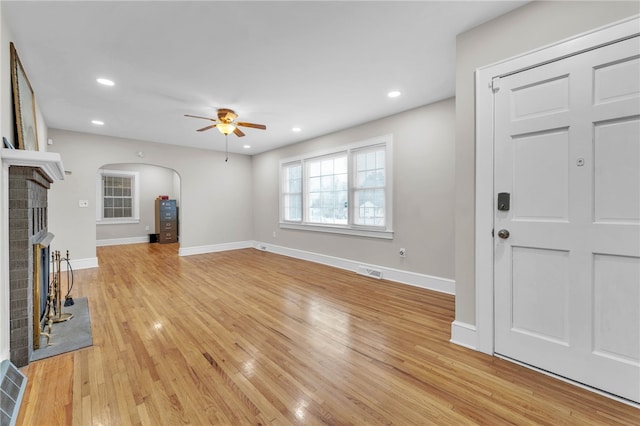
[167, 221]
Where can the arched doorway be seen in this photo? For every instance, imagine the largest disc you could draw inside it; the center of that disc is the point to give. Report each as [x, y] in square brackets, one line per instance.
[127, 215]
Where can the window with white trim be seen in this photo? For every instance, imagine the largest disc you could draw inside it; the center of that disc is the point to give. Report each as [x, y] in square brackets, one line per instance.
[369, 186]
[327, 190]
[346, 190]
[292, 191]
[117, 197]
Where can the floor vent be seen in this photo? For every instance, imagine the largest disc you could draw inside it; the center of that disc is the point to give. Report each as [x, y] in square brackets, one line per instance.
[12, 386]
[369, 272]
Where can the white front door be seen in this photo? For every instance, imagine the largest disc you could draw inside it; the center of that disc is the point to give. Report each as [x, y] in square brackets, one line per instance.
[567, 275]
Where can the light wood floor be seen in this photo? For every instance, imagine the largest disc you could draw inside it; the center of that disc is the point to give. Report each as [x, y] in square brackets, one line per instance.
[250, 337]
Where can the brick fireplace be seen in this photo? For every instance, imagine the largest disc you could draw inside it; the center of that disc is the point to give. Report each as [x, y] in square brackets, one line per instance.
[27, 177]
[28, 187]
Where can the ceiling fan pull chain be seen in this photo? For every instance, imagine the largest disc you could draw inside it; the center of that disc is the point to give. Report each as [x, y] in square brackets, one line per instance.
[226, 148]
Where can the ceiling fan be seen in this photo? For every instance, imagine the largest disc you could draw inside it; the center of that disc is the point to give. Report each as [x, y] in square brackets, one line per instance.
[226, 124]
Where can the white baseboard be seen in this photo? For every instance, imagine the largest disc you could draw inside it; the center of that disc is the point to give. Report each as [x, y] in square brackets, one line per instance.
[188, 251]
[91, 262]
[464, 334]
[442, 285]
[121, 241]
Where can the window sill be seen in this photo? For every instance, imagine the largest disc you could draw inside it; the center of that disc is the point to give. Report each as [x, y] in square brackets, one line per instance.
[117, 221]
[387, 235]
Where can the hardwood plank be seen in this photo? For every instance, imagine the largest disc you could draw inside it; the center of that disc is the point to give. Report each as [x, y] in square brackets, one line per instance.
[250, 337]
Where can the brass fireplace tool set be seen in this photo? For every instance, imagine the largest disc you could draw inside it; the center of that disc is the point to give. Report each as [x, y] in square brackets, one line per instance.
[54, 312]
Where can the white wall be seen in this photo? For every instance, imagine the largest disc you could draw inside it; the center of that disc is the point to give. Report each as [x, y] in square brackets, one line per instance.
[423, 156]
[215, 196]
[153, 181]
[532, 26]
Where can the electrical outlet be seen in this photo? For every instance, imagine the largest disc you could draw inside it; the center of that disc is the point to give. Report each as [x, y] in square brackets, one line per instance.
[146, 228]
[403, 252]
[274, 234]
[83, 203]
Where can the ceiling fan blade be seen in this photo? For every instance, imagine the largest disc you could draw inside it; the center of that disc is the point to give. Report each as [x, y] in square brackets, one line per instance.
[238, 132]
[197, 116]
[206, 128]
[253, 125]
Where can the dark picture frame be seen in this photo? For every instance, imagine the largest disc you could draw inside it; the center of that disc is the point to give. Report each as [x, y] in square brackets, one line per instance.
[24, 105]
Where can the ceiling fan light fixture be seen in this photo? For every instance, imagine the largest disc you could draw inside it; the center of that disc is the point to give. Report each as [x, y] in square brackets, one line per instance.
[225, 128]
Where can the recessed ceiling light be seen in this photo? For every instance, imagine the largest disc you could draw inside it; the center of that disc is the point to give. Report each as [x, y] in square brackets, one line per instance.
[105, 81]
[97, 122]
[296, 129]
[394, 94]
[246, 146]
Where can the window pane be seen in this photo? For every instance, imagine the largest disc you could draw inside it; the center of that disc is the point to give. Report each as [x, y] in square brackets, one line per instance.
[326, 183]
[380, 160]
[295, 172]
[293, 176]
[292, 207]
[314, 199]
[296, 185]
[327, 200]
[315, 215]
[314, 184]
[361, 163]
[327, 167]
[370, 166]
[313, 168]
[369, 207]
[341, 165]
[296, 208]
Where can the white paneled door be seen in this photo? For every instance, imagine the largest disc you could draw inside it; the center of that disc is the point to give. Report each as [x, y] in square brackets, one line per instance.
[567, 235]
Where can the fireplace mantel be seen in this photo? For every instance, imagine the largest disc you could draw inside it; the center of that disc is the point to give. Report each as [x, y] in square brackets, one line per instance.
[49, 162]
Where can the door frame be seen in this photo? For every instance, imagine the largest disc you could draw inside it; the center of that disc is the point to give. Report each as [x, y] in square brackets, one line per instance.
[484, 194]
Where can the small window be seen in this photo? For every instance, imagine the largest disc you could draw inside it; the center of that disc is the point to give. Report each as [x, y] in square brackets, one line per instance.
[117, 197]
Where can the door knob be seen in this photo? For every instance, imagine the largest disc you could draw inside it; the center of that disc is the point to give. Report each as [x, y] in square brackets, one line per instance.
[503, 233]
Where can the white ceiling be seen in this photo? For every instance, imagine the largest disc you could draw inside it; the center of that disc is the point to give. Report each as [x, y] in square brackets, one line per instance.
[319, 65]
